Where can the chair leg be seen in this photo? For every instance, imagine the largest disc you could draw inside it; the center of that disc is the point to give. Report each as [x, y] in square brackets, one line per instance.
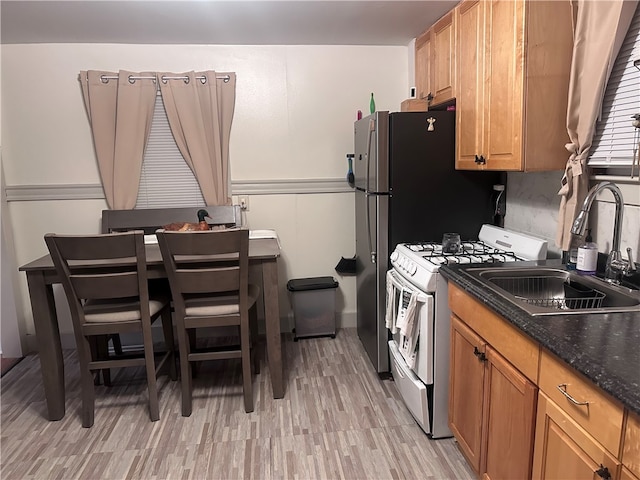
[152, 384]
[255, 345]
[167, 327]
[247, 380]
[96, 351]
[192, 336]
[117, 344]
[185, 370]
[102, 352]
[86, 382]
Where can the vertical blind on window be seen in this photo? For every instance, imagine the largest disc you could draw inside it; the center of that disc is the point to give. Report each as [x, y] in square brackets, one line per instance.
[615, 143]
[166, 180]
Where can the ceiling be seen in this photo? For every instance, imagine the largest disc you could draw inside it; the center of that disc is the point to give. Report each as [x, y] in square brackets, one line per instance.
[217, 22]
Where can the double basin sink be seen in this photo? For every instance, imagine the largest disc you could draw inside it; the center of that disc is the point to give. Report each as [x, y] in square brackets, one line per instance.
[555, 291]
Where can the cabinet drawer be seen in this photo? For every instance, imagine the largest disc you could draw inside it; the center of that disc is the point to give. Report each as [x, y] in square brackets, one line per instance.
[591, 408]
[564, 450]
[631, 446]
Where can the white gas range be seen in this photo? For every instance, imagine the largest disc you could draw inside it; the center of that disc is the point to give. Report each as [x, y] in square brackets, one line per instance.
[418, 315]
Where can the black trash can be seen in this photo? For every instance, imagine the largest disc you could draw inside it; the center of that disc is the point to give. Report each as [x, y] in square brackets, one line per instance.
[314, 306]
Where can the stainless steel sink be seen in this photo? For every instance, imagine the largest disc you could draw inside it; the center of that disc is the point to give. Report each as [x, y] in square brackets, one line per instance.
[553, 291]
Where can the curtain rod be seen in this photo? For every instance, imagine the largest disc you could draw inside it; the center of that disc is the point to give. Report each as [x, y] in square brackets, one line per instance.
[164, 78]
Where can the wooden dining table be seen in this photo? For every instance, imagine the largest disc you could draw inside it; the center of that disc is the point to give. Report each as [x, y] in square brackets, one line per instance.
[41, 276]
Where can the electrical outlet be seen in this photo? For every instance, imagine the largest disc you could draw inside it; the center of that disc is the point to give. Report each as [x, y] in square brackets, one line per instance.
[243, 201]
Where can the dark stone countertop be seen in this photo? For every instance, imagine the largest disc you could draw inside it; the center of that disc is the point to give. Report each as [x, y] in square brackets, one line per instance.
[603, 347]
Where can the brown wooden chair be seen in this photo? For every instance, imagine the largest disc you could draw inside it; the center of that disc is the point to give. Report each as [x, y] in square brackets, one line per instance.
[105, 282]
[208, 275]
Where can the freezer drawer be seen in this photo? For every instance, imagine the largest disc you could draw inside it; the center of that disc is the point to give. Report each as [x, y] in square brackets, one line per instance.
[411, 389]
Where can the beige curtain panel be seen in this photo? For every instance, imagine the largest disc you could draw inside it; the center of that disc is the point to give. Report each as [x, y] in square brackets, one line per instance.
[599, 29]
[199, 106]
[200, 112]
[120, 113]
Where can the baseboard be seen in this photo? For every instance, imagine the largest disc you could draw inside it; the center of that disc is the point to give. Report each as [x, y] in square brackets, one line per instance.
[347, 320]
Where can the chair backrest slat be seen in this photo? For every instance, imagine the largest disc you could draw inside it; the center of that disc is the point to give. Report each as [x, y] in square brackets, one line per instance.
[96, 247]
[206, 262]
[109, 285]
[208, 280]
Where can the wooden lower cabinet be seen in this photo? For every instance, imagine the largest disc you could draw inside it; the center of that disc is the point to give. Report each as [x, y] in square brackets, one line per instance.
[492, 407]
[564, 450]
[519, 412]
[466, 390]
[508, 420]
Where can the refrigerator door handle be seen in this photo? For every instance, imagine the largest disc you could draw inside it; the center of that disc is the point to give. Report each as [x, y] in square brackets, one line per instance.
[372, 127]
[374, 255]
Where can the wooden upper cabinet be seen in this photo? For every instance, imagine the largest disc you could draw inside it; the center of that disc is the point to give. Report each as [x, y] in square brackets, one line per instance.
[469, 83]
[443, 54]
[512, 65]
[435, 62]
[423, 67]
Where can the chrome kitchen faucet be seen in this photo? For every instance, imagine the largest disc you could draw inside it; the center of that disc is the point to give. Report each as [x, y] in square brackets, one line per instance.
[616, 265]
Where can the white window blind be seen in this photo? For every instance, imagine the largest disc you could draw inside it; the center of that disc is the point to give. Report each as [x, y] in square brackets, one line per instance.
[615, 144]
[166, 180]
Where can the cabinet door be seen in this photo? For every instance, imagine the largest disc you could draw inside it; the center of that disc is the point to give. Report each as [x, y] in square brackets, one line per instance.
[563, 450]
[443, 55]
[631, 446]
[469, 83]
[508, 420]
[466, 389]
[423, 66]
[503, 75]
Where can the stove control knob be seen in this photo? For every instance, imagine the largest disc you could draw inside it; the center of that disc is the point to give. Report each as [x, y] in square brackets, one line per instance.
[394, 256]
[414, 269]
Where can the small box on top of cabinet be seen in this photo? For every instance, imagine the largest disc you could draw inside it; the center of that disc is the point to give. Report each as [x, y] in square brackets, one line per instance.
[314, 306]
[414, 105]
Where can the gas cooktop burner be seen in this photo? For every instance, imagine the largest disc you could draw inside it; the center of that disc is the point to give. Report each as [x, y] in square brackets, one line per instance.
[419, 262]
[454, 258]
[466, 248]
[469, 252]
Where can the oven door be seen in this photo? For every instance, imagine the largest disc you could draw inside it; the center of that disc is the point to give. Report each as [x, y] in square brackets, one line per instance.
[413, 309]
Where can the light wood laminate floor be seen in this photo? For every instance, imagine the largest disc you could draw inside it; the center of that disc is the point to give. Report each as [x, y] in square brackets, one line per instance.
[337, 420]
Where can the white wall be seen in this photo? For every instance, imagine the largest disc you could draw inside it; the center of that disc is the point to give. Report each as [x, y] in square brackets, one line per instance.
[293, 121]
[10, 331]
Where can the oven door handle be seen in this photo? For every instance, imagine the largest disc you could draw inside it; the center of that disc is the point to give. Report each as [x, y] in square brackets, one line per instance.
[403, 286]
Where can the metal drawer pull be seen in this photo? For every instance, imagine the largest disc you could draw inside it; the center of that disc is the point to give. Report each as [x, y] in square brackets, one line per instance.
[563, 389]
[481, 356]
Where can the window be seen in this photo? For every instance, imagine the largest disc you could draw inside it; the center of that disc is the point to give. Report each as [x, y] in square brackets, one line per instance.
[615, 144]
[166, 180]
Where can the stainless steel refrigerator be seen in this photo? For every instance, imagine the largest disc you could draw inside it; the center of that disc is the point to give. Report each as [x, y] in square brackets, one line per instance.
[407, 190]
